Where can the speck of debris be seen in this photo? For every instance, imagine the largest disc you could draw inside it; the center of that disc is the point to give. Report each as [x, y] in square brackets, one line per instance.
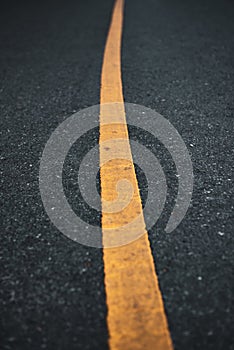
[221, 233]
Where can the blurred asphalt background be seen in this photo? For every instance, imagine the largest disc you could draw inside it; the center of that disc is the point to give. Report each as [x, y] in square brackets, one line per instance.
[177, 58]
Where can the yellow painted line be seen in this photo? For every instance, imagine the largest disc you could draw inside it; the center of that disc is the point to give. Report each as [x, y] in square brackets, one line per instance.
[136, 318]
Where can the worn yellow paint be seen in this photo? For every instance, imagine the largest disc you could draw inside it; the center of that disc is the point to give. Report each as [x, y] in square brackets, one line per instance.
[136, 318]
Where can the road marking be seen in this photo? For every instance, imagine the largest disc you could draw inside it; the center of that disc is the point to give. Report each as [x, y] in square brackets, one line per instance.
[136, 318]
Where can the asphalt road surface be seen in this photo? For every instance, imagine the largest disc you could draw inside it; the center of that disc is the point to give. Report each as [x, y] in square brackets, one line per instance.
[177, 58]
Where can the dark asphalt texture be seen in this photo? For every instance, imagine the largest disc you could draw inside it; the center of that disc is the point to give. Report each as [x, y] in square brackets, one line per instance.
[177, 58]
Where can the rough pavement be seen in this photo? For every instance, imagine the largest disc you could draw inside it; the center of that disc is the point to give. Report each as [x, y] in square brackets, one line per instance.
[177, 58]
